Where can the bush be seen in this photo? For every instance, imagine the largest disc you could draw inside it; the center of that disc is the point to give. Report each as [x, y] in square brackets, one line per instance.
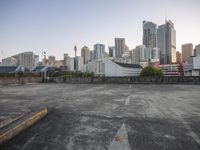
[150, 71]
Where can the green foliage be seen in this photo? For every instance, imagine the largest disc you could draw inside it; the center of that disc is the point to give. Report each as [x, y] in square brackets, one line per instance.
[150, 71]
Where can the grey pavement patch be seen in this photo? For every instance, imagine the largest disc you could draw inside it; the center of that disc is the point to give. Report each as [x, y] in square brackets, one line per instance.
[120, 141]
[127, 101]
[179, 116]
[88, 116]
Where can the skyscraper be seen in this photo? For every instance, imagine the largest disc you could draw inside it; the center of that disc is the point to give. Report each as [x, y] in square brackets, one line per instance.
[166, 42]
[197, 50]
[99, 50]
[78, 63]
[9, 61]
[161, 43]
[119, 47]
[111, 50]
[187, 51]
[178, 57]
[85, 54]
[155, 53]
[27, 60]
[91, 55]
[149, 34]
[140, 54]
[170, 42]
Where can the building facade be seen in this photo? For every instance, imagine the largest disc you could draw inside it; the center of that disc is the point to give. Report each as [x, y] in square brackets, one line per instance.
[172, 69]
[155, 53]
[91, 55]
[187, 51]
[192, 68]
[70, 64]
[107, 67]
[120, 47]
[149, 34]
[78, 63]
[111, 50]
[85, 54]
[141, 54]
[9, 61]
[27, 60]
[166, 42]
[197, 50]
[178, 57]
[99, 50]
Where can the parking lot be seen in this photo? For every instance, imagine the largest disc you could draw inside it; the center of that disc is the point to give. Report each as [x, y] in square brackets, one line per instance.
[105, 116]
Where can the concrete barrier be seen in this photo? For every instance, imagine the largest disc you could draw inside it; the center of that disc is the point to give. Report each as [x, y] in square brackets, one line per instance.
[128, 80]
[14, 128]
[19, 80]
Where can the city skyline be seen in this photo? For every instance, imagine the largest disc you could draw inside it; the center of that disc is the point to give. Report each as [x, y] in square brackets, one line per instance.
[56, 26]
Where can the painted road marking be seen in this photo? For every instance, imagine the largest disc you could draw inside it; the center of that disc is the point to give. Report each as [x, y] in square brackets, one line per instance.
[127, 101]
[120, 141]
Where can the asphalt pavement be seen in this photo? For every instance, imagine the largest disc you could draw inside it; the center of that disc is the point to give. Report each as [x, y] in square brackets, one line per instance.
[105, 116]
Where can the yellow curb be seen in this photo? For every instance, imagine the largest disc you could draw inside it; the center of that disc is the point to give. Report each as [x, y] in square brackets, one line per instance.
[22, 126]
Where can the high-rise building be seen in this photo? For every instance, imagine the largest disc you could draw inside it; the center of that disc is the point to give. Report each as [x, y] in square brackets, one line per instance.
[66, 55]
[27, 60]
[155, 53]
[149, 34]
[78, 63]
[111, 50]
[148, 54]
[120, 47]
[166, 42]
[99, 50]
[69, 63]
[140, 53]
[52, 58]
[9, 61]
[91, 55]
[187, 51]
[178, 57]
[197, 50]
[161, 43]
[126, 48]
[85, 54]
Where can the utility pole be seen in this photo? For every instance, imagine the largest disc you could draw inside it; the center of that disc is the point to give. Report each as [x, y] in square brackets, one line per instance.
[45, 71]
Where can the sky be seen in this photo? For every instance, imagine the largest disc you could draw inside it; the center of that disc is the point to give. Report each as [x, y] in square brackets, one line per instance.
[55, 26]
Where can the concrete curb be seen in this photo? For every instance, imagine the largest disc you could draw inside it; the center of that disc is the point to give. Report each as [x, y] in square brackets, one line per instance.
[14, 128]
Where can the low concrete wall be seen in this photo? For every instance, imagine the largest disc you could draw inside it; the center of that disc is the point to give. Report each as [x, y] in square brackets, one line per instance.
[128, 80]
[19, 80]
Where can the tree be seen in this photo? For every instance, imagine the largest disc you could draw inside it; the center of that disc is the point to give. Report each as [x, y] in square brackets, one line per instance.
[150, 71]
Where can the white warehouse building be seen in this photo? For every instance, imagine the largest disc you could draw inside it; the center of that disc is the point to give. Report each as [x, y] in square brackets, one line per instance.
[108, 68]
[192, 68]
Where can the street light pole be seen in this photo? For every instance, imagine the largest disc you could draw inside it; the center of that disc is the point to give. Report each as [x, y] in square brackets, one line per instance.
[45, 73]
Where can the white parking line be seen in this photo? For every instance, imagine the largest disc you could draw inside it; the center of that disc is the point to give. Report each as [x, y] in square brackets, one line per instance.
[120, 141]
[127, 101]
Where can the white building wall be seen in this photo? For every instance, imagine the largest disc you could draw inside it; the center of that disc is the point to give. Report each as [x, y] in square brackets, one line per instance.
[80, 63]
[109, 68]
[70, 64]
[9, 61]
[192, 68]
